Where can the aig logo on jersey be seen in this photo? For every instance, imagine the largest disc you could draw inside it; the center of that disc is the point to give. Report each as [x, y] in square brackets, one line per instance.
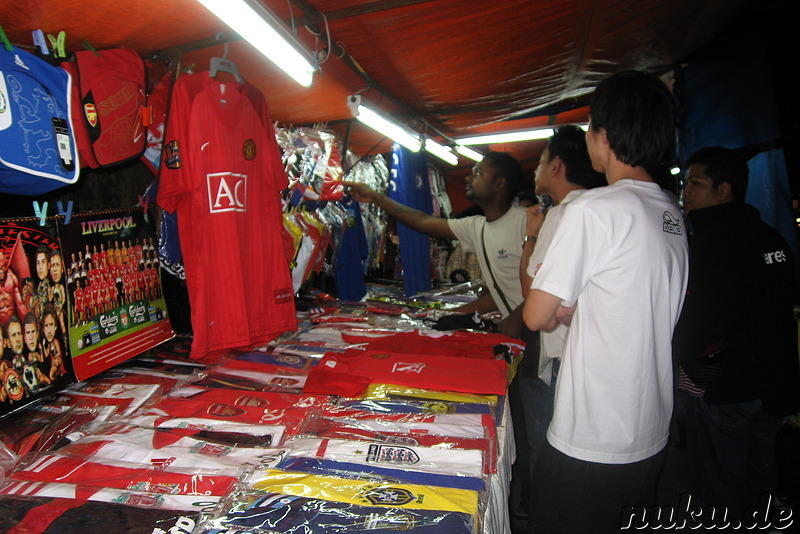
[227, 191]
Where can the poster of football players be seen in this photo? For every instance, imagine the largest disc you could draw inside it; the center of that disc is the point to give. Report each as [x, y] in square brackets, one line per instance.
[34, 353]
[117, 308]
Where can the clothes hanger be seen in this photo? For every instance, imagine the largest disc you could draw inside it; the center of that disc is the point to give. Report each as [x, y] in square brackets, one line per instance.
[223, 64]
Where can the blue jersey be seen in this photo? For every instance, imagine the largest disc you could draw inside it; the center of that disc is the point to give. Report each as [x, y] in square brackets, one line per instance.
[348, 270]
[361, 472]
[37, 142]
[275, 512]
[410, 186]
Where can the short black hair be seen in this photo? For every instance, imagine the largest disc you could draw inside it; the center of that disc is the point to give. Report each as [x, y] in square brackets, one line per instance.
[637, 111]
[723, 165]
[568, 143]
[506, 166]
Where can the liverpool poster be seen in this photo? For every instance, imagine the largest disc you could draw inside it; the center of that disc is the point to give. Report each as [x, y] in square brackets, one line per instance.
[75, 300]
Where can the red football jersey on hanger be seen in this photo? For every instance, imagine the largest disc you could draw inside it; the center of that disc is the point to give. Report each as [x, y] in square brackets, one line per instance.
[222, 173]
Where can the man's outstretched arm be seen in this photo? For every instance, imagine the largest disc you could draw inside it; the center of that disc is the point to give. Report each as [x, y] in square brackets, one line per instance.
[413, 218]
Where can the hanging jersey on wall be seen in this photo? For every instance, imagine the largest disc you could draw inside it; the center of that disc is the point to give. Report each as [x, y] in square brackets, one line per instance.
[157, 102]
[222, 174]
[409, 186]
[112, 95]
[349, 270]
[37, 143]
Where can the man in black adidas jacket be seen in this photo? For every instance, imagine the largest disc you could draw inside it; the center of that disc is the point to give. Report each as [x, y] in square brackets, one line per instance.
[735, 345]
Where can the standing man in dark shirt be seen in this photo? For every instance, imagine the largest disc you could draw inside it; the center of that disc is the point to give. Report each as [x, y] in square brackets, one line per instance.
[735, 345]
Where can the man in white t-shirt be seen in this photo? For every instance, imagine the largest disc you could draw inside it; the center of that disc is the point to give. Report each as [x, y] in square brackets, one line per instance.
[564, 172]
[616, 273]
[492, 185]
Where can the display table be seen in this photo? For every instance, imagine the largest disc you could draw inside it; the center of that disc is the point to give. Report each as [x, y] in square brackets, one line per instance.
[266, 430]
[496, 519]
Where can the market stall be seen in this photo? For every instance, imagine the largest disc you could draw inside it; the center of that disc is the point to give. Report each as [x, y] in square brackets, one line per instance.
[201, 330]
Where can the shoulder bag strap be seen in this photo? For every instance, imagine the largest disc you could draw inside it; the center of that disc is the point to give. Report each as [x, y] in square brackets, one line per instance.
[491, 274]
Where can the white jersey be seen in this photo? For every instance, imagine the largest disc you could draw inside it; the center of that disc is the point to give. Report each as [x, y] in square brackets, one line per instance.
[161, 448]
[418, 428]
[463, 462]
[620, 253]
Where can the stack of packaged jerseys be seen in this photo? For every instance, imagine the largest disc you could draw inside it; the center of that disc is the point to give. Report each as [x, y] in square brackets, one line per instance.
[338, 427]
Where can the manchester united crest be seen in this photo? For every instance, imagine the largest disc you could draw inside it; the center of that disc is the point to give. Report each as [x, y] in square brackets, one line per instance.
[249, 150]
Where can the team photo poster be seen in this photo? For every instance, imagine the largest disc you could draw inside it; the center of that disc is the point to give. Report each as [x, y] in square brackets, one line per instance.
[33, 314]
[76, 299]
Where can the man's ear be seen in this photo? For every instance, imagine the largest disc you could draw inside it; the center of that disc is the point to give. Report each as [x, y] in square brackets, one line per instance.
[604, 137]
[557, 164]
[725, 192]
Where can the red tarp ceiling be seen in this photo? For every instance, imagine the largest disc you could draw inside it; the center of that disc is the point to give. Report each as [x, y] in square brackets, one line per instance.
[462, 66]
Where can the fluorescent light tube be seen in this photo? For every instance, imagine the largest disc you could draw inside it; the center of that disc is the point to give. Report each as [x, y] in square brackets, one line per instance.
[394, 131]
[467, 152]
[267, 33]
[441, 151]
[506, 137]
